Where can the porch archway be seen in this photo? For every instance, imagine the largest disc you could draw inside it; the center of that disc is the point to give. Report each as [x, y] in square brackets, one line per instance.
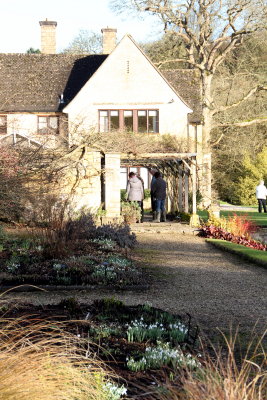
[180, 170]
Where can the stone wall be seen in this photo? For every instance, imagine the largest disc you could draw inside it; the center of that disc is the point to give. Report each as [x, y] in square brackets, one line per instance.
[69, 183]
[82, 182]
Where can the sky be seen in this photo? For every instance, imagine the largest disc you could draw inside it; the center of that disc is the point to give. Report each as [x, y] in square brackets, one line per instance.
[20, 29]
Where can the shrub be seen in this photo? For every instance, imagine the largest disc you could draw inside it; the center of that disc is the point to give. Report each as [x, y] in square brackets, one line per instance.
[253, 171]
[184, 217]
[199, 198]
[130, 211]
[2, 234]
[61, 238]
[238, 225]
[11, 183]
[119, 233]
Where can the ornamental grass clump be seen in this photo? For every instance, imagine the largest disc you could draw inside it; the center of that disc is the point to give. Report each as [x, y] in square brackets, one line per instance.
[41, 361]
[225, 376]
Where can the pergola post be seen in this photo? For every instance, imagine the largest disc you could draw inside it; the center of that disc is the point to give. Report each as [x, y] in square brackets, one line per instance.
[180, 188]
[194, 220]
[186, 188]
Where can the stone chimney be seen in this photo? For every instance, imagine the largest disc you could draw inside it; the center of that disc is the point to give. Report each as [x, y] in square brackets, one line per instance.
[109, 39]
[48, 36]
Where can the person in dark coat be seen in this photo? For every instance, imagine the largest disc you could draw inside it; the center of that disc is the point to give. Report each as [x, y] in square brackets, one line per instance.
[153, 201]
[158, 191]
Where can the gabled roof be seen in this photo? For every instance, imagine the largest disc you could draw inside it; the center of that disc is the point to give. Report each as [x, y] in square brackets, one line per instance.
[34, 82]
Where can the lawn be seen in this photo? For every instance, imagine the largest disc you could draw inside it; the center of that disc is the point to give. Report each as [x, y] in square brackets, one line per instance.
[257, 256]
[258, 219]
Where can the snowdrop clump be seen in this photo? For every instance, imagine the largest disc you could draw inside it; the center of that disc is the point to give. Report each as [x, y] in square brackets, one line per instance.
[104, 272]
[113, 391]
[119, 261]
[139, 330]
[177, 331]
[162, 354]
[105, 243]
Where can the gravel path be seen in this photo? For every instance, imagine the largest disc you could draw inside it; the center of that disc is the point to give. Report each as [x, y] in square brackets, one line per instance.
[188, 276]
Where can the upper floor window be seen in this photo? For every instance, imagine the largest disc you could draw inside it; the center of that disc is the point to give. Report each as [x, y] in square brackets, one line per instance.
[47, 125]
[3, 124]
[142, 121]
[147, 121]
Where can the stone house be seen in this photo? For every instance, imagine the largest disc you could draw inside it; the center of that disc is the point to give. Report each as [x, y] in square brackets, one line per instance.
[53, 99]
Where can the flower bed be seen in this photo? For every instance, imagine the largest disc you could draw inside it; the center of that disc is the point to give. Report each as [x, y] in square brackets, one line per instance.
[214, 232]
[141, 344]
[237, 229]
[97, 266]
[78, 253]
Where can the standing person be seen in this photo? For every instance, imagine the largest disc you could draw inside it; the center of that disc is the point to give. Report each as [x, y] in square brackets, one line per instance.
[158, 191]
[135, 191]
[153, 201]
[142, 202]
[261, 193]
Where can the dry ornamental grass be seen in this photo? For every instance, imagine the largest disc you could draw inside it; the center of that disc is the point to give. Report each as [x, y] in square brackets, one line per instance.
[40, 361]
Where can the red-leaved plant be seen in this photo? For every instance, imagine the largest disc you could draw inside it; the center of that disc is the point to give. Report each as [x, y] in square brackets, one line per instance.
[215, 232]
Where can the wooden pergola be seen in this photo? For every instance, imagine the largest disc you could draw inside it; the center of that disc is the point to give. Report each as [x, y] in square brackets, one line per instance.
[183, 165]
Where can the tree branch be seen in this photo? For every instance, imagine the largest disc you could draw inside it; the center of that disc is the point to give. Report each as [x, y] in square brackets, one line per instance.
[247, 96]
[244, 123]
[212, 144]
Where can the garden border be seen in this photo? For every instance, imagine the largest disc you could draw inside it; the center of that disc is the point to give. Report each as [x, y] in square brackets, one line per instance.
[238, 250]
[28, 287]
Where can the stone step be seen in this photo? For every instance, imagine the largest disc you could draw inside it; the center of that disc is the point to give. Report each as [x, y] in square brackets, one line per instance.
[162, 227]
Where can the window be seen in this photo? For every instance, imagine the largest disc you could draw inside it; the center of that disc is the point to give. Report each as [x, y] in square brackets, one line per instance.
[114, 120]
[128, 120]
[3, 124]
[152, 121]
[47, 125]
[109, 120]
[142, 121]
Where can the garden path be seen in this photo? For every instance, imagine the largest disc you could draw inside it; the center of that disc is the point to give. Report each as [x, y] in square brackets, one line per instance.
[187, 275]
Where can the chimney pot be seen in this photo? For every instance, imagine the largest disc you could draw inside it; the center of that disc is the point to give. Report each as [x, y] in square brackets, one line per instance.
[48, 36]
[109, 39]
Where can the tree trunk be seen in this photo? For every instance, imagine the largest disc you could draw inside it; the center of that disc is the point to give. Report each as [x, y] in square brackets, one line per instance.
[206, 82]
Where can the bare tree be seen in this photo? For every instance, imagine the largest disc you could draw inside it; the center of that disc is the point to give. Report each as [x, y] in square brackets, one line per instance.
[86, 42]
[210, 30]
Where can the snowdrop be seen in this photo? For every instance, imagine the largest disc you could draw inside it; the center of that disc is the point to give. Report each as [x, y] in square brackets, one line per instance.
[113, 391]
[162, 354]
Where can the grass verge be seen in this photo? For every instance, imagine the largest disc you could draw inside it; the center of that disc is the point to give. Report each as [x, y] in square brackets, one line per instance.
[258, 257]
